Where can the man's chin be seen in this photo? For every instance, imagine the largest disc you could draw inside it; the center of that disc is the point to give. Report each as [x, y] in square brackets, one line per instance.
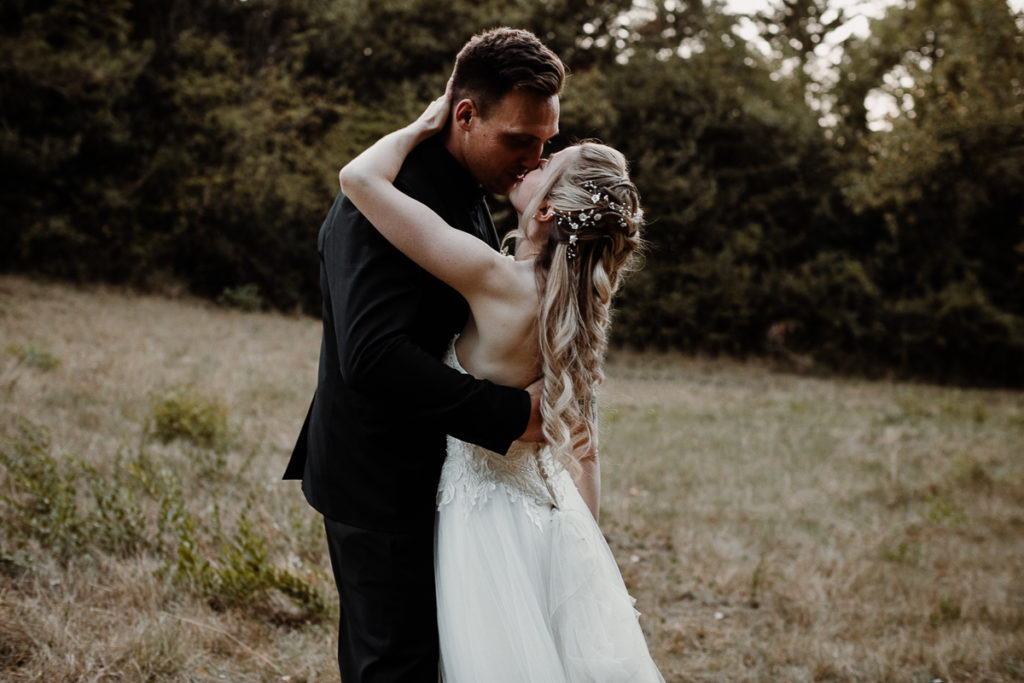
[502, 189]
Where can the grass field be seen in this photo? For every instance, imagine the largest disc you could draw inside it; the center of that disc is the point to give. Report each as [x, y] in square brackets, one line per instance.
[773, 527]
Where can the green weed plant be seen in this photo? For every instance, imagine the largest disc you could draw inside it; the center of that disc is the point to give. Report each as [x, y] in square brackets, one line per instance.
[34, 356]
[243, 297]
[182, 413]
[56, 505]
[41, 500]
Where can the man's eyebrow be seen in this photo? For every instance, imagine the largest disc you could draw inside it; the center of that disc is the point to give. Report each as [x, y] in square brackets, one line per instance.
[527, 138]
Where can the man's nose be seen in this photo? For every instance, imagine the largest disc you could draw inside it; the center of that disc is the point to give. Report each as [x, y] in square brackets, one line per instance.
[533, 156]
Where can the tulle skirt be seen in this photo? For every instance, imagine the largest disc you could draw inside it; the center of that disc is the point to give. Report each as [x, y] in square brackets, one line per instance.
[530, 593]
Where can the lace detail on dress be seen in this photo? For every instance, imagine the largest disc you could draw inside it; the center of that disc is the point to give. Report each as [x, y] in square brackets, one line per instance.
[471, 473]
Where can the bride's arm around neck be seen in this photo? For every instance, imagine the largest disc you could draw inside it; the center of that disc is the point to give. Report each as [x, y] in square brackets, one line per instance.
[462, 261]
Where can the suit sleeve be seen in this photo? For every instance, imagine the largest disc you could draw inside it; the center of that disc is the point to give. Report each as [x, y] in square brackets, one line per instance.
[375, 295]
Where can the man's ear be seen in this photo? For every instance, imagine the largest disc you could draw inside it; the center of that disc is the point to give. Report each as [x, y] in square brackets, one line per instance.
[464, 111]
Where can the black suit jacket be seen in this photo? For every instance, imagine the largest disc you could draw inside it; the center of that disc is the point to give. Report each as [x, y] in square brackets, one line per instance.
[370, 451]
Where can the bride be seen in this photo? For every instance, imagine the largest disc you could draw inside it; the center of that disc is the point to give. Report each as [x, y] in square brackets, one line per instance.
[527, 589]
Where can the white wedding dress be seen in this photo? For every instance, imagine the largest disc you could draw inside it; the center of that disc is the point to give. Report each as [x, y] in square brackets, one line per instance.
[527, 589]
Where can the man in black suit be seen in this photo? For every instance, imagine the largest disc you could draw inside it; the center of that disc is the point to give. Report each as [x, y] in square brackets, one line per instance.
[370, 452]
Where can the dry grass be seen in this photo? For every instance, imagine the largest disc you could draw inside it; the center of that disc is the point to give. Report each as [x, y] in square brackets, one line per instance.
[787, 528]
[772, 527]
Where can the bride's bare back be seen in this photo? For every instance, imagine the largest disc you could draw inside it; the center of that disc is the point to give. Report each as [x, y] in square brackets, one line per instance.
[500, 341]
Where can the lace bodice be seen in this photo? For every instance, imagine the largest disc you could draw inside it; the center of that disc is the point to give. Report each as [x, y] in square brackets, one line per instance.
[528, 473]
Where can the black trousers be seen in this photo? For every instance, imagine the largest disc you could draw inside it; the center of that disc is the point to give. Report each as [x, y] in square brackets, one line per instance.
[388, 627]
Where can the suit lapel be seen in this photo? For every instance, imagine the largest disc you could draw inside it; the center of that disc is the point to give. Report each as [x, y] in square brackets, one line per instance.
[485, 224]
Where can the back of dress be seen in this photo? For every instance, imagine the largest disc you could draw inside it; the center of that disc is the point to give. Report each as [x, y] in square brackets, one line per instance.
[527, 588]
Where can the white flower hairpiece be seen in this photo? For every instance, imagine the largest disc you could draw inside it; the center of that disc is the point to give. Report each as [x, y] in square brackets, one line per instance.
[602, 202]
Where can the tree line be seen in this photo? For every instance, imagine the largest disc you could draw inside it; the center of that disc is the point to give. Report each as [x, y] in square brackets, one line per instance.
[194, 144]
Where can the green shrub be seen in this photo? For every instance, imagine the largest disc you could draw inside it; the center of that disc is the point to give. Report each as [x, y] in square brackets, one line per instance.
[66, 505]
[40, 500]
[946, 611]
[245, 297]
[34, 356]
[240, 573]
[116, 521]
[182, 413]
[69, 509]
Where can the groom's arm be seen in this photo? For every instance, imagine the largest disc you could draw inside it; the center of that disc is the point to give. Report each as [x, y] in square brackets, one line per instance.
[376, 295]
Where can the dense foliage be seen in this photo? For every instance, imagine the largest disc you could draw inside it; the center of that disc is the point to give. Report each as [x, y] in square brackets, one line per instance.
[193, 144]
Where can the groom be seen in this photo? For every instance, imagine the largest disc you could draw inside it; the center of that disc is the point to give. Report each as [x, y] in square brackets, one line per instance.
[370, 452]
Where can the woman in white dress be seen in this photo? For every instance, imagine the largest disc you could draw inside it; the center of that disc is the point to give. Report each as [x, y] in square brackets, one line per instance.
[527, 589]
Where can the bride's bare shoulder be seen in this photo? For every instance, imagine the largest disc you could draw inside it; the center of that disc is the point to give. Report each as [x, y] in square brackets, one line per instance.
[508, 282]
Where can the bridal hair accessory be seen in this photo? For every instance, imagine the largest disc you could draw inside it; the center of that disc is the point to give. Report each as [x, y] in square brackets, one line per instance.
[602, 199]
[603, 203]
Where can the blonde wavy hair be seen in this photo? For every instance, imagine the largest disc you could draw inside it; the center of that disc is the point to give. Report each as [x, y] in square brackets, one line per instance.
[594, 240]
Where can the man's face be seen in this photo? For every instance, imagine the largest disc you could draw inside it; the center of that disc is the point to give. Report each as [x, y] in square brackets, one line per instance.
[502, 147]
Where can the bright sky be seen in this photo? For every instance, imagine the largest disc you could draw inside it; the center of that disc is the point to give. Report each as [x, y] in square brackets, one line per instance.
[860, 12]
[870, 7]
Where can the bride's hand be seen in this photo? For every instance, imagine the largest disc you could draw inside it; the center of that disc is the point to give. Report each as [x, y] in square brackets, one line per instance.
[435, 116]
[383, 159]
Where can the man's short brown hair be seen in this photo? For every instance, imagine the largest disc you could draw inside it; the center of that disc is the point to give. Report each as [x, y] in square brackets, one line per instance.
[496, 62]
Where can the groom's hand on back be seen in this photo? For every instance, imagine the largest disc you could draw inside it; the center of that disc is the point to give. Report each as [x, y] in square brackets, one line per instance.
[534, 428]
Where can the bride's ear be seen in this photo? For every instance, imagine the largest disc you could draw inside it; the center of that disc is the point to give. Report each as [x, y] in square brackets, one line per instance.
[544, 213]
